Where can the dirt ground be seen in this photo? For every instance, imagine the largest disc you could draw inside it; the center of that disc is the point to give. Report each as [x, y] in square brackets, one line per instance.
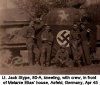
[92, 69]
[36, 69]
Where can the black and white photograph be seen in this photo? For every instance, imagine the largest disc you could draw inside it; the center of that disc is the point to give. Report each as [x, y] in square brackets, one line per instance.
[50, 37]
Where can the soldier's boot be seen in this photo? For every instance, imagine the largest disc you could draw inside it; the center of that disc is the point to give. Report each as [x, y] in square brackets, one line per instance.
[84, 60]
[47, 64]
[88, 62]
[30, 61]
[48, 56]
[79, 63]
[37, 56]
[70, 63]
[42, 58]
[42, 63]
[30, 55]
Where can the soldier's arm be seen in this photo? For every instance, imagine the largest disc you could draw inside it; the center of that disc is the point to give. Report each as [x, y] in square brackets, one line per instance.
[33, 33]
[70, 37]
[79, 37]
[57, 55]
[67, 54]
[52, 37]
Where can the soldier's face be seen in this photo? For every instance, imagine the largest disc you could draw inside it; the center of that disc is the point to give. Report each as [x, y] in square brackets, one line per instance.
[48, 28]
[75, 26]
[82, 26]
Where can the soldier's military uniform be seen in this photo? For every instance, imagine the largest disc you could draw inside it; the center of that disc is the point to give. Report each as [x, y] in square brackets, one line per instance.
[47, 41]
[62, 57]
[33, 51]
[91, 35]
[85, 43]
[75, 44]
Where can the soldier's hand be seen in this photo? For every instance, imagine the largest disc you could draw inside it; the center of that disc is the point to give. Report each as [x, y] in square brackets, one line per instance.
[33, 36]
[88, 43]
[62, 61]
[88, 30]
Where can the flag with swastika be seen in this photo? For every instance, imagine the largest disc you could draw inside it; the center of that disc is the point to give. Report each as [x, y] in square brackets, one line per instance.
[60, 21]
[61, 37]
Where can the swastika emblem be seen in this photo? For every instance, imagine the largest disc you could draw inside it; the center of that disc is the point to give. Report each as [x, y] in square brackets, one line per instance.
[63, 37]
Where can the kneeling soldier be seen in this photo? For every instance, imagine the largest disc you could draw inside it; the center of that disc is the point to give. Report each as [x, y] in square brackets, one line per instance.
[62, 57]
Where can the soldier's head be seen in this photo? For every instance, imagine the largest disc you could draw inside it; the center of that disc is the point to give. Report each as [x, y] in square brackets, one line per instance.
[82, 26]
[37, 21]
[75, 26]
[85, 19]
[31, 23]
[47, 27]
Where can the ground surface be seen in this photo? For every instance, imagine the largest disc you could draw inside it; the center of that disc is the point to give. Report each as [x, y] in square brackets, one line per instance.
[92, 69]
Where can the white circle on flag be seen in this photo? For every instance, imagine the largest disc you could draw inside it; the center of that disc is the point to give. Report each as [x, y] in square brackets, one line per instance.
[63, 37]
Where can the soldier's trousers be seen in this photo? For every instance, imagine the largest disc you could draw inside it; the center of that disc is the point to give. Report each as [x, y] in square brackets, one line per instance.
[66, 62]
[33, 53]
[46, 54]
[36, 52]
[86, 52]
[77, 53]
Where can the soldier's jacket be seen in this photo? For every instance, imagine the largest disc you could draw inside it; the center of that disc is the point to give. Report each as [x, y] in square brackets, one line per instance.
[93, 37]
[74, 35]
[62, 55]
[90, 35]
[84, 33]
[83, 36]
[75, 38]
[47, 36]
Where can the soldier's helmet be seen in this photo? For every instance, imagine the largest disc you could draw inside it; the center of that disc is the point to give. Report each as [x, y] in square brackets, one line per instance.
[85, 18]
